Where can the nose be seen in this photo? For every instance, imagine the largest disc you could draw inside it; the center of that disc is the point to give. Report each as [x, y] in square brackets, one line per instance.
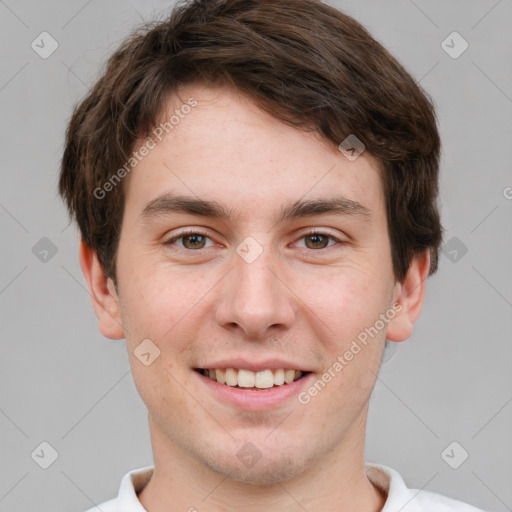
[255, 298]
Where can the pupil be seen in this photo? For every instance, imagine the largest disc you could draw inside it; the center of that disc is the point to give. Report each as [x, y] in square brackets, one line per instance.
[317, 237]
[194, 239]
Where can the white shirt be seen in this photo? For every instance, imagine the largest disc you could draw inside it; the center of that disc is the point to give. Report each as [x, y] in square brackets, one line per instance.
[399, 497]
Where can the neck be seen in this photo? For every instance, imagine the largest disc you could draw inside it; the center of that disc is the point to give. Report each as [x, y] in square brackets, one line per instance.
[337, 482]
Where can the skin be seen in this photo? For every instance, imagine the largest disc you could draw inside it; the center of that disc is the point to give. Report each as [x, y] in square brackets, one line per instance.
[302, 299]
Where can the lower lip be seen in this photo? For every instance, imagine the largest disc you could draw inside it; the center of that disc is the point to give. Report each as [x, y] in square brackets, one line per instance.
[253, 400]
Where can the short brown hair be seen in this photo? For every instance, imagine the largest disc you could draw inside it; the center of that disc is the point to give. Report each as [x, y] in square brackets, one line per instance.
[301, 61]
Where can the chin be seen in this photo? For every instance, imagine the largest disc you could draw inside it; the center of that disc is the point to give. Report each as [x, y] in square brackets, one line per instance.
[262, 473]
[266, 471]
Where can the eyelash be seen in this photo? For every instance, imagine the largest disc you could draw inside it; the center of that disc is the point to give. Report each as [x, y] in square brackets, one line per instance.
[202, 233]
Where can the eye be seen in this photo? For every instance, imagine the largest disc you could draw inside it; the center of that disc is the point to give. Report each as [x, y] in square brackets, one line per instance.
[194, 240]
[318, 240]
[191, 239]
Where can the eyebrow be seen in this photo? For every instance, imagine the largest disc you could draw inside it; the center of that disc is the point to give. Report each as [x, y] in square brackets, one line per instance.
[169, 203]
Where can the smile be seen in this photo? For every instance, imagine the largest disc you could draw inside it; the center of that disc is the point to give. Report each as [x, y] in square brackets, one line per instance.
[249, 380]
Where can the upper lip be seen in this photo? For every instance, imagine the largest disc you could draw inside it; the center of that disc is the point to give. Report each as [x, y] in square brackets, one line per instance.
[255, 366]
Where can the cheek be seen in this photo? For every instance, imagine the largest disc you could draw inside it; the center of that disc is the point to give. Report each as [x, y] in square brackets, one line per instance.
[156, 309]
[169, 309]
[156, 299]
[347, 302]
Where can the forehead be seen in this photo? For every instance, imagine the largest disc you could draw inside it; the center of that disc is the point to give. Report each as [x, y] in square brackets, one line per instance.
[218, 145]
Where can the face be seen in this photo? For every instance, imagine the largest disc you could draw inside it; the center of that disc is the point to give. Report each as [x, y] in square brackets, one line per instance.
[275, 257]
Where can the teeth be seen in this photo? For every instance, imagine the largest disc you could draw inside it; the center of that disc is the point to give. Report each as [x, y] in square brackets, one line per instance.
[279, 377]
[264, 379]
[231, 377]
[289, 376]
[242, 378]
[245, 378]
[220, 376]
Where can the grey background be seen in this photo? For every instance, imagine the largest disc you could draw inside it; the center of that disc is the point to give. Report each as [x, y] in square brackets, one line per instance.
[63, 383]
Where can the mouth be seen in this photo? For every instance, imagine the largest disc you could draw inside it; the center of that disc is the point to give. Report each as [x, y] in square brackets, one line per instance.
[248, 380]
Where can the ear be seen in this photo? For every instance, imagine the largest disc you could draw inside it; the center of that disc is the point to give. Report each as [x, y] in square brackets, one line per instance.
[409, 294]
[104, 296]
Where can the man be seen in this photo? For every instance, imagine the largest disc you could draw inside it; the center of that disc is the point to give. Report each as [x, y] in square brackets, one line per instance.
[255, 185]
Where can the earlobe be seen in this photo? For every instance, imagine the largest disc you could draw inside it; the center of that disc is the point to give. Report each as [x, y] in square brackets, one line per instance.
[103, 294]
[409, 295]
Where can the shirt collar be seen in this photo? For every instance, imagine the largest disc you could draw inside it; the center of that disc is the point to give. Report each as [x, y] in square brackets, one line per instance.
[131, 484]
[392, 484]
